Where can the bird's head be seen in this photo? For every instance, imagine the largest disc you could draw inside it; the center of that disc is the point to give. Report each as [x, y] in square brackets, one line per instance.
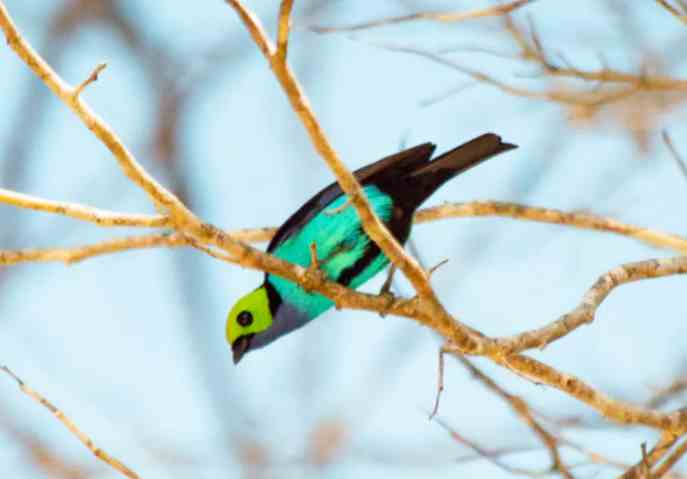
[248, 320]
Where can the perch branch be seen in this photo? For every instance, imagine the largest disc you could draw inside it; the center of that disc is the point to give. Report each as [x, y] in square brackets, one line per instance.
[425, 308]
[435, 313]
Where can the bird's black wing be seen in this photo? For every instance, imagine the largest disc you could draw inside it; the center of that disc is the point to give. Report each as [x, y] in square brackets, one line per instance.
[403, 162]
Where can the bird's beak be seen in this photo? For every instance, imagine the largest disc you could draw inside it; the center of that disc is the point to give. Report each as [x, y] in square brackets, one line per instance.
[240, 346]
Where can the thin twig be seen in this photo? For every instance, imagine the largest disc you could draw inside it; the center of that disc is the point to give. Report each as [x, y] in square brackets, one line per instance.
[372, 225]
[71, 426]
[82, 212]
[681, 164]
[440, 383]
[284, 26]
[589, 98]
[531, 49]
[434, 268]
[643, 468]
[548, 215]
[100, 129]
[670, 461]
[663, 395]
[424, 309]
[91, 78]
[521, 408]
[80, 253]
[444, 17]
[585, 311]
[489, 455]
[682, 16]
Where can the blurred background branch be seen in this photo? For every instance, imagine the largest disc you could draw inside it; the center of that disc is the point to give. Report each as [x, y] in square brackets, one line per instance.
[638, 100]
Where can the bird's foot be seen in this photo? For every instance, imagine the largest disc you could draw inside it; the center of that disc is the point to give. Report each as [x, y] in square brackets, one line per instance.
[390, 298]
[314, 276]
[386, 291]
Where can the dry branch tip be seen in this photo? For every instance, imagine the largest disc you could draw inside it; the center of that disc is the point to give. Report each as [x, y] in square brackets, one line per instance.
[93, 77]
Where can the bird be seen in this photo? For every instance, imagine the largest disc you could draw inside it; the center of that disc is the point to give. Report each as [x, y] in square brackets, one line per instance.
[395, 187]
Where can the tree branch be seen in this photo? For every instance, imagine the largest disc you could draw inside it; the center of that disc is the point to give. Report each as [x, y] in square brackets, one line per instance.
[584, 313]
[681, 164]
[670, 461]
[71, 426]
[680, 15]
[81, 212]
[435, 315]
[100, 129]
[662, 447]
[547, 215]
[444, 17]
[520, 407]
[425, 309]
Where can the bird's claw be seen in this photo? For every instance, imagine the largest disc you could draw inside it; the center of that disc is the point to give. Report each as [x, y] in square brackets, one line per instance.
[314, 277]
[390, 298]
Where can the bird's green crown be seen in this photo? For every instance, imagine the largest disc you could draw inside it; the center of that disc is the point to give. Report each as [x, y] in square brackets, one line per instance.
[250, 315]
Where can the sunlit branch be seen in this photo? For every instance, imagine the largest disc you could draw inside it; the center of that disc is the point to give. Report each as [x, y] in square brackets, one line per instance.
[581, 220]
[70, 96]
[71, 426]
[82, 212]
[585, 312]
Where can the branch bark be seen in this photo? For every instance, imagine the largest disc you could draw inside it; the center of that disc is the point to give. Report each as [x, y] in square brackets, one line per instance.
[71, 426]
[425, 308]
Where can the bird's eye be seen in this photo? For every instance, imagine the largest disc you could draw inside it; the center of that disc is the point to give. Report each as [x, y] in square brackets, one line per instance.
[245, 318]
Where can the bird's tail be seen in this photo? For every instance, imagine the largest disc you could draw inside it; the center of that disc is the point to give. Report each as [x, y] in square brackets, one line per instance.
[435, 173]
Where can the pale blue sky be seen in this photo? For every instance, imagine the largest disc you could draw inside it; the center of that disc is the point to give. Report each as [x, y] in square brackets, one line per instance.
[132, 346]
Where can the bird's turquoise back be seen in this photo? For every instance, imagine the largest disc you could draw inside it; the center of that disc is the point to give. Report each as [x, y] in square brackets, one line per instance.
[340, 240]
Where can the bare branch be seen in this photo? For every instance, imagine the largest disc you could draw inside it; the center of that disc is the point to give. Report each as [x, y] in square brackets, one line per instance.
[531, 49]
[81, 212]
[71, 426]
[80, 253]
[585, 311]
[440, 382]
[682, 16]
[547, 215]
[674, 153]
[425, 309]
[444, 17]
[489, 455]
[100, 129]
[643, 468]
[663, 395]
[671, 460]
[283, 28]
[372, 225]
[91, 78]
[521, 408]
[590, 98]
